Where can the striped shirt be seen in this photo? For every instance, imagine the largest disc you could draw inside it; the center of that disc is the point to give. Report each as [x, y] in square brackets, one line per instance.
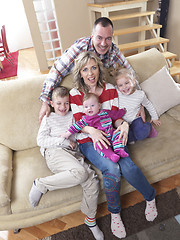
[108, 100]
[133, 102]
[50, 129]
[103, 121]
[64, 65]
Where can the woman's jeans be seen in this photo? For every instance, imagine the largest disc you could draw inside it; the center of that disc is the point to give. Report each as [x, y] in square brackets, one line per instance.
[112, 173]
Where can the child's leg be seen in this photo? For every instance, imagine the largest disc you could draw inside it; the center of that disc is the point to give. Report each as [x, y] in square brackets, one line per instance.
[107, 153]
[131, 137]
[118, 146]
[68, 172]
[90, 200]
[117, 226]
[141, 129]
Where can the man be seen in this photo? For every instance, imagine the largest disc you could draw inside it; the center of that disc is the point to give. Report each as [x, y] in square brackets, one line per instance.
[100, 42]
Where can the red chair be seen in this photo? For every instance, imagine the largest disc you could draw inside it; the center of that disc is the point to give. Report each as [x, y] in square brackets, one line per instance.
[4, 50]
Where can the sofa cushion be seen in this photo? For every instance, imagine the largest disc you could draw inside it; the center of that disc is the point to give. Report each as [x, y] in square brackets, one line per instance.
[5, 175]
[146, 63]
[164, 149]
[27, 166]
[162, 90]
[19, 105]
[175, 112]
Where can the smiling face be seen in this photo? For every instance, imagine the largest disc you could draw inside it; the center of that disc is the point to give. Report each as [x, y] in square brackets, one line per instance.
[102, 38]
[91, 106]
[125, 84]
[90, 73]
[61, 105]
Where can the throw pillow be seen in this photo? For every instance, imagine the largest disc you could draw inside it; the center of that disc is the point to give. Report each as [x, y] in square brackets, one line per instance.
[162, 90]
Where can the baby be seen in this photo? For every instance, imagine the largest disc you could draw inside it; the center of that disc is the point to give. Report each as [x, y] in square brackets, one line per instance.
[132, 99]
[102, 120]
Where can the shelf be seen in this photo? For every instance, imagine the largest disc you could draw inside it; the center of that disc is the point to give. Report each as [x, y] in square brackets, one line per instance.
[145, 43]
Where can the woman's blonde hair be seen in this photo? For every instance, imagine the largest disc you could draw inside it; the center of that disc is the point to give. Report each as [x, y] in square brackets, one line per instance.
[81, 61]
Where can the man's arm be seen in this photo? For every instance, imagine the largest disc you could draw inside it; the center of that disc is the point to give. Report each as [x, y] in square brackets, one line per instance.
[62, 67]
[45, 110]
[120, 58]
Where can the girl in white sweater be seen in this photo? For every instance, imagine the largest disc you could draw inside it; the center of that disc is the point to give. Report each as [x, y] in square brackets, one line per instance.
[132, 99]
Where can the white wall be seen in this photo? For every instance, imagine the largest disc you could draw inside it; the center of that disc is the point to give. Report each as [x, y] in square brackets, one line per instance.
[12, 15]
[173, 27]
[73, 20]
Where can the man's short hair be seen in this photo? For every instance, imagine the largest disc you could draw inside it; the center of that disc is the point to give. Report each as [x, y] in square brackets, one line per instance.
[104, 21]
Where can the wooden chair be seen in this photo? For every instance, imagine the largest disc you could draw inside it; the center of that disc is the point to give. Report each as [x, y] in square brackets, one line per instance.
[4, 49]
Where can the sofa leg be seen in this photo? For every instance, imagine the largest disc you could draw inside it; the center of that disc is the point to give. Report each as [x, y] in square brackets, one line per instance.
[17, 230]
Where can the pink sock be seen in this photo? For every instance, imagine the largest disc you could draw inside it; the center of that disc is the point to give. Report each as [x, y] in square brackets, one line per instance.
[153, 133]
[117, 226]
[122, 153]
[114, 157]
[151, 210]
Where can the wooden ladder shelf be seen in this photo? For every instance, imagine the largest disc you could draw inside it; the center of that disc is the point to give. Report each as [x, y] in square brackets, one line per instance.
[145, 20]
[145, 43]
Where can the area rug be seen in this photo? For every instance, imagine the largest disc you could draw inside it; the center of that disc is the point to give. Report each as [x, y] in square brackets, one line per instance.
[168, 205]
[10, 70]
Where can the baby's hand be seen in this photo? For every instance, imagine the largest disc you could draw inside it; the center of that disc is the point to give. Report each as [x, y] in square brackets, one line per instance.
[65, 134]
[73, 144]
[156, 122]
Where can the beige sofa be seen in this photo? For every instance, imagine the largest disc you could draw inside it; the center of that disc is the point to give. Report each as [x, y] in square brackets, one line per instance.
[21, 162]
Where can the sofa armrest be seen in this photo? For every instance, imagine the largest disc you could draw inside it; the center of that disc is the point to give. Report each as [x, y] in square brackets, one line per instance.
[5, 174]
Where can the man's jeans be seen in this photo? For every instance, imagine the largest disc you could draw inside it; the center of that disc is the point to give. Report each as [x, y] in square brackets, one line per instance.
[112, 173]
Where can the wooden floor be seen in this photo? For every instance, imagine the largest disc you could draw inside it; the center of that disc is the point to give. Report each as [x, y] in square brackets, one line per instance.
[28, 66]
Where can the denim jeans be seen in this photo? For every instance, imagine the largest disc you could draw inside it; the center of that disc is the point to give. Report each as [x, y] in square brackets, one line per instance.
[139, 130]
[112, 173]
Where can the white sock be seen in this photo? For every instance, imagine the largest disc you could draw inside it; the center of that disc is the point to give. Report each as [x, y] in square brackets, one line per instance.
[151, 210]
[97, 233]
[117, 226]
[34, 195]
[91, 223]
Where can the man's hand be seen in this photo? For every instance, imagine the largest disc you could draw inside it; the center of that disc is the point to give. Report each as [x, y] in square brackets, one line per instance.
[45, 110]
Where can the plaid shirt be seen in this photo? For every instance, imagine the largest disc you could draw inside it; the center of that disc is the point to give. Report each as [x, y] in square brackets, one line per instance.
[64, 65]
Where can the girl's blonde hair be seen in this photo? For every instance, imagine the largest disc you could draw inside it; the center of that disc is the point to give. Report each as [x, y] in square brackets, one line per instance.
[80, 62]
[128, 73]
[125, 72]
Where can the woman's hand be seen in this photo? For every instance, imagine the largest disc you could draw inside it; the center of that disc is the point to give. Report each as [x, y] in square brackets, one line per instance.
[124, 128]
[98, 137]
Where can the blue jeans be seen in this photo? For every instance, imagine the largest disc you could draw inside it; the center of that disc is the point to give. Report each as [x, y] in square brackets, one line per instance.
[112, 173]
[139, 130]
